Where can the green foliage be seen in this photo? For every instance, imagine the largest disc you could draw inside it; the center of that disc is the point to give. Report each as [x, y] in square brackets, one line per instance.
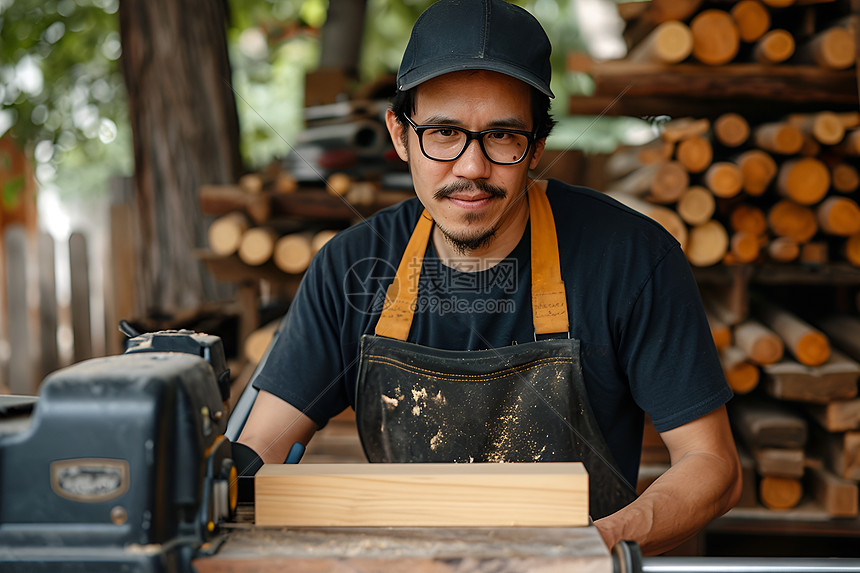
[62, 95]
[273, 44]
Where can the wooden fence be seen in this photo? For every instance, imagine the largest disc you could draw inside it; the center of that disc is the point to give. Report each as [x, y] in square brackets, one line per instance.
[46, 324]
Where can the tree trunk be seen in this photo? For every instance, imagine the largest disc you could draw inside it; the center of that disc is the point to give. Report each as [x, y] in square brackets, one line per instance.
[340, 45]
[186, 134]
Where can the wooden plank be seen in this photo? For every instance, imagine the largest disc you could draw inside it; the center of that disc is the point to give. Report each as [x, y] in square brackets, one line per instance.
[437, 495]
[680, 106]
[841, 453]
[20, 361]
[835, 380]
[80, 298]
[838, 415]
[418, 550]
[837, 495]
[50, 353]
[766, 424]
[797, 84]
[120, 278]
[779, 462]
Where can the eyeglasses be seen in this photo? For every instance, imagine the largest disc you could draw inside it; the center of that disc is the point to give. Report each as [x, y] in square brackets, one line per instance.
[447, 143]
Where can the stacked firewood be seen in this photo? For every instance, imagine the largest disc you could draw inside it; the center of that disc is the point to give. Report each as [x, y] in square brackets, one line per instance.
[793, 379]
[761, 31]
[247, 225]
[734, 190]
[269, 219]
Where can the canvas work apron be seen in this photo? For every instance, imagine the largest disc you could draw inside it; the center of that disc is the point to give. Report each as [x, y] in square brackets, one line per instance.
[520, 403]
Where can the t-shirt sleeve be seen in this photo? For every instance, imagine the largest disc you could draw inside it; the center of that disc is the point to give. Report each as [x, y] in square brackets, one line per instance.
[304, 363]
[673, 367]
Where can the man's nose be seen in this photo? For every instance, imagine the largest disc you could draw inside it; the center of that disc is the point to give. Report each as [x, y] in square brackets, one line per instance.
[473, 164]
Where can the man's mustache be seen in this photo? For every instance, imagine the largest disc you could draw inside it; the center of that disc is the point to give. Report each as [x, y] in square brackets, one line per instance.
[479, 184]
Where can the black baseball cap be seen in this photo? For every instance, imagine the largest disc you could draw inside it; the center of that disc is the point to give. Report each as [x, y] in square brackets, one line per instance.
[454, 35]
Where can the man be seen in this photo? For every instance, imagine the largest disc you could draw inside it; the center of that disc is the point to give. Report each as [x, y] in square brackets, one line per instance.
[516, 319]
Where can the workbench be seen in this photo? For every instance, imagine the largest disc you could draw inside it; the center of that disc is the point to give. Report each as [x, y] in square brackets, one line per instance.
[251, 548]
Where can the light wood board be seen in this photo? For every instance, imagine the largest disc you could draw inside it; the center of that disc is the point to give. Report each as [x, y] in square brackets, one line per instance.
[422, 495]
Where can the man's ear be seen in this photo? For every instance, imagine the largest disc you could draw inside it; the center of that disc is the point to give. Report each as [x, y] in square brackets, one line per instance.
[395, 128]
[540, 145]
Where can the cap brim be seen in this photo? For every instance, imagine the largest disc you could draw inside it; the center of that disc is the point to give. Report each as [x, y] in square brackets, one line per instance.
[432, 70]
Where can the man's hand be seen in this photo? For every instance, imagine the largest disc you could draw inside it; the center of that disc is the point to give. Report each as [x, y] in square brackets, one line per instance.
[703, 482]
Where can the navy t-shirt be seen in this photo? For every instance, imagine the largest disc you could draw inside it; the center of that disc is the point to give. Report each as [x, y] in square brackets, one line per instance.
[632, 300]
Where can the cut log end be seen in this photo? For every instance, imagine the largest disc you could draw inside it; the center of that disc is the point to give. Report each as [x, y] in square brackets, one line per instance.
[695, 154]
[716, 39]
[752, 18]
[780, 493]
[805, 180]
[670, 42]
[731, 129]
[852, 251]
[745, 247]
[257, 246]
[748, 219]
[813, 349]
[707, 244]
[339, 183]
[767, 350]
[742, 378]
[835, 48]
[724, 179]
[779, 137]
[758, 169]
[827, 128]
[788, 219]
[225, 233]
[845, 178]
[774, 47]
[696, 206]
[783, 249]
[669, 183]
[839, 216]
[293, 253]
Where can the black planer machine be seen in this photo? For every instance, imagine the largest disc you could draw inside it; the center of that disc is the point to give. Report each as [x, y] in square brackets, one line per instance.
[121, 463]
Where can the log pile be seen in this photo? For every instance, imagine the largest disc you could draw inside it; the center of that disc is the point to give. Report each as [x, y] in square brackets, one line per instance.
[767, 32]
[745, 191]
[796, 413]
[269, 219]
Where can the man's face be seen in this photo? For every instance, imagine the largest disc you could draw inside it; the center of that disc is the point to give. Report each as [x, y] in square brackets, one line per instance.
[469, 198]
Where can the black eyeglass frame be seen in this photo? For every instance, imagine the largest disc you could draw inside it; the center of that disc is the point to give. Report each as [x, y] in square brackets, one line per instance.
[470, 135]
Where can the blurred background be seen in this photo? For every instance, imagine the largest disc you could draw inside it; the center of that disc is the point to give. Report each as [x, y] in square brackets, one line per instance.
[177, 164]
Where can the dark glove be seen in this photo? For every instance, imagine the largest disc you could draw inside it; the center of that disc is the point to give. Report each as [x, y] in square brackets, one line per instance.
[247, 461]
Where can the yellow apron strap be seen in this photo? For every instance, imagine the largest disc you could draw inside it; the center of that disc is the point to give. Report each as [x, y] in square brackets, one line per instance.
[402, 294]
[549, 303]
